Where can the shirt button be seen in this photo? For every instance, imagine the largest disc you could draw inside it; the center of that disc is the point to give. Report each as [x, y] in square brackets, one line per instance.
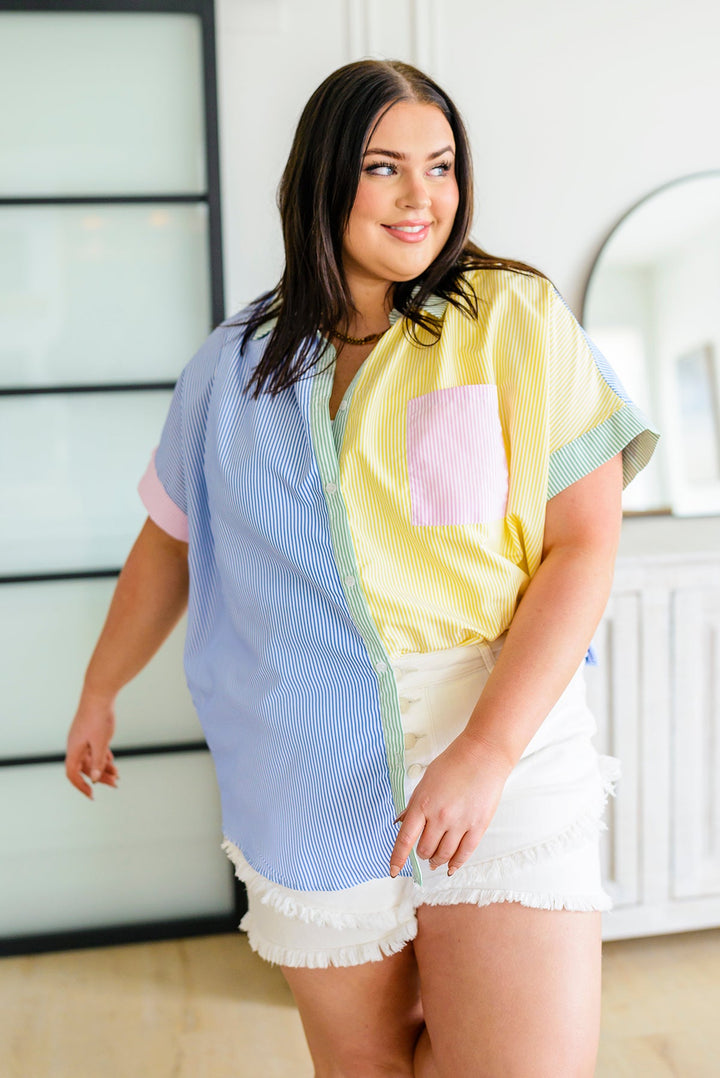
[331, 487]
[415, 771]
[410, 740]
[343, 406]
[350, 581]
[381, 667]
[405, 703]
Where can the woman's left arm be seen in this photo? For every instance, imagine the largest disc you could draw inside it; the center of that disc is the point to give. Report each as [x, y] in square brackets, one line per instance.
[558, 614]
[454, 802]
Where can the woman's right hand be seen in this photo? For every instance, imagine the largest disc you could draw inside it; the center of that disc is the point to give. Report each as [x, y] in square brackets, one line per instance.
[149, 599]
[88, 745]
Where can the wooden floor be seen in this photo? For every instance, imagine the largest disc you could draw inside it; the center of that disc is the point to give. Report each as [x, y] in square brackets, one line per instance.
[210, 1008]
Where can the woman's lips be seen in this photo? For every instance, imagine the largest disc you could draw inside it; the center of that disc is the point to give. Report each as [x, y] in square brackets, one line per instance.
[408, 233]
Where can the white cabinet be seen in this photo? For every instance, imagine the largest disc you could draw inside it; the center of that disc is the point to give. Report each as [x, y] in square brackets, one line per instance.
[656, 696]
[695, 768]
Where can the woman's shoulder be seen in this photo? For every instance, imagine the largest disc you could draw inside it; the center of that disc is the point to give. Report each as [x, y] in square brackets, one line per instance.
[225, 338]
[512, 324]
[497, 283]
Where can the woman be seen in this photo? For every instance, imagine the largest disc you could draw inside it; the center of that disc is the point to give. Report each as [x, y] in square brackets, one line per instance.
[359, 479]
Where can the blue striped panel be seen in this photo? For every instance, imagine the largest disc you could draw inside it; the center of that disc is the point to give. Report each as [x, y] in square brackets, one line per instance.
[278, 670]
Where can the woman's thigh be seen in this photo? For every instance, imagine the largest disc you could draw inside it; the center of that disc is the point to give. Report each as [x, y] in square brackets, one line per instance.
[360, 1020]
[509, 991]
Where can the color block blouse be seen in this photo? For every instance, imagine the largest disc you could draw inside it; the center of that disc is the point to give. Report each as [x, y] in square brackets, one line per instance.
[321, 550]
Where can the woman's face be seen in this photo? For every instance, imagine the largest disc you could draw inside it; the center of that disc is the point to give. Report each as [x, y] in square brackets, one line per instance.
[406, 199]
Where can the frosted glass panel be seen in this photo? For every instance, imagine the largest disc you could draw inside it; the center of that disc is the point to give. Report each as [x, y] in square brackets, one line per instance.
[69, 468]
[102, 103]
[148, 850]
[47, 634]
[94, 294]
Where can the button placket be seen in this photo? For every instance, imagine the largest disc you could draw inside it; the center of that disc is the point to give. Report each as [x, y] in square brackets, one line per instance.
[326, 439]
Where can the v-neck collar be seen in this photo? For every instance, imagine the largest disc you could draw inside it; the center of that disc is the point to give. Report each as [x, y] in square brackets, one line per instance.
[434, 305]
[322, 377]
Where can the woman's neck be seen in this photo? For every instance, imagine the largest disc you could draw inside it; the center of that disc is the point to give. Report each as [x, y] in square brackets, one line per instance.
[373, 304]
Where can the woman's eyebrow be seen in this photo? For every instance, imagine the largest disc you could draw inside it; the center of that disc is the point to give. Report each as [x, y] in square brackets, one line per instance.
[401, 156]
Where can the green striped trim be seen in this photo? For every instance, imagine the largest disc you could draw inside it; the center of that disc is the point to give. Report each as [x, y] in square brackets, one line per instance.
[627, 430]
[327, 460]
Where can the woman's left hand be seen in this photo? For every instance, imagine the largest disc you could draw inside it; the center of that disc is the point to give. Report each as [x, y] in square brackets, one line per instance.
[452, 805]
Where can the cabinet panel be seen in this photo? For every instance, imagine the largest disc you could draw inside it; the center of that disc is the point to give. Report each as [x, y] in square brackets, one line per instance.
[654, 720]
[696, 743]
[613, 699]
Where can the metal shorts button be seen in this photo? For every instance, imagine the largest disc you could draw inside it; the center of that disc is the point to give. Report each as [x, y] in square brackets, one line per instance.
[415, 771]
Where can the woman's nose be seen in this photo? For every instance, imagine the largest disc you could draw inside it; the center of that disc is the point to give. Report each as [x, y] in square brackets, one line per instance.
[415, 194]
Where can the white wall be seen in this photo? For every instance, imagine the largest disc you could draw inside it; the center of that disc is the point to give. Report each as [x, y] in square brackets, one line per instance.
[575, 111]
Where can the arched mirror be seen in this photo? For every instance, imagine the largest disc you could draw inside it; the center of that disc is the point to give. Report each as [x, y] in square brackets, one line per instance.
[652, 306]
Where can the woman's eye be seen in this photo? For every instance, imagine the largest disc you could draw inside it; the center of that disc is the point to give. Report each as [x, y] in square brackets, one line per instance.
[381, 169]
[385, 168]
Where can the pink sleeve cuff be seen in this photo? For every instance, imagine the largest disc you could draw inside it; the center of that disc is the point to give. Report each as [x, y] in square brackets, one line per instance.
[160, 506]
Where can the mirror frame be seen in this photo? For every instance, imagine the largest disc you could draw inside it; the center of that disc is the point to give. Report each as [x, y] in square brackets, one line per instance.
[663, 511]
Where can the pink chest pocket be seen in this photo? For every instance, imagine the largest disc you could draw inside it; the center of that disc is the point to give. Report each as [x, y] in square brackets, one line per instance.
[456, 457]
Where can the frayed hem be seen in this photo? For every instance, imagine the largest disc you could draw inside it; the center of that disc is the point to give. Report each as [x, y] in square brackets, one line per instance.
[274, 896]
[485, 897]
[586, 828]
[354, 955]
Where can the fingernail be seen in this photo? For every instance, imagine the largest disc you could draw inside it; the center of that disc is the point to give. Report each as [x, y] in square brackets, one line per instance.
[394, 871]
[451, 870]
[94, 775]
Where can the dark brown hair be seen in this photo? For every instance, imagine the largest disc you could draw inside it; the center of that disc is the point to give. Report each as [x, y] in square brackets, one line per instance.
[315, 197]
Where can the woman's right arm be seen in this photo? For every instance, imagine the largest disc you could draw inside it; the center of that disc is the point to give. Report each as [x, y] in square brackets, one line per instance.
[150, 598]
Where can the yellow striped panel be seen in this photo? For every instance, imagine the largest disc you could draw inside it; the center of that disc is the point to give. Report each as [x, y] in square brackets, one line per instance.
[436, 586]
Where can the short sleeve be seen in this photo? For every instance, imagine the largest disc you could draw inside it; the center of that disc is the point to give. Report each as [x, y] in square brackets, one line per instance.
[162, 488]
[591, 417]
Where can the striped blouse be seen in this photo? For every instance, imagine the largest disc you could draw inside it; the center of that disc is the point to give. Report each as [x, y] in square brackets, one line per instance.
[321, 550]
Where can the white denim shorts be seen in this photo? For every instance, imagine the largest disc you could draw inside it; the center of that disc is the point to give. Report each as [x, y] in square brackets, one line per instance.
[541, 848]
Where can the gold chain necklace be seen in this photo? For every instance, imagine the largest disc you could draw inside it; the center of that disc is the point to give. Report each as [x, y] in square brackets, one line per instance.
[359, 340]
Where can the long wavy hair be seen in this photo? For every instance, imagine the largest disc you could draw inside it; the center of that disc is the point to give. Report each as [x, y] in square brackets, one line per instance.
[315, 197]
